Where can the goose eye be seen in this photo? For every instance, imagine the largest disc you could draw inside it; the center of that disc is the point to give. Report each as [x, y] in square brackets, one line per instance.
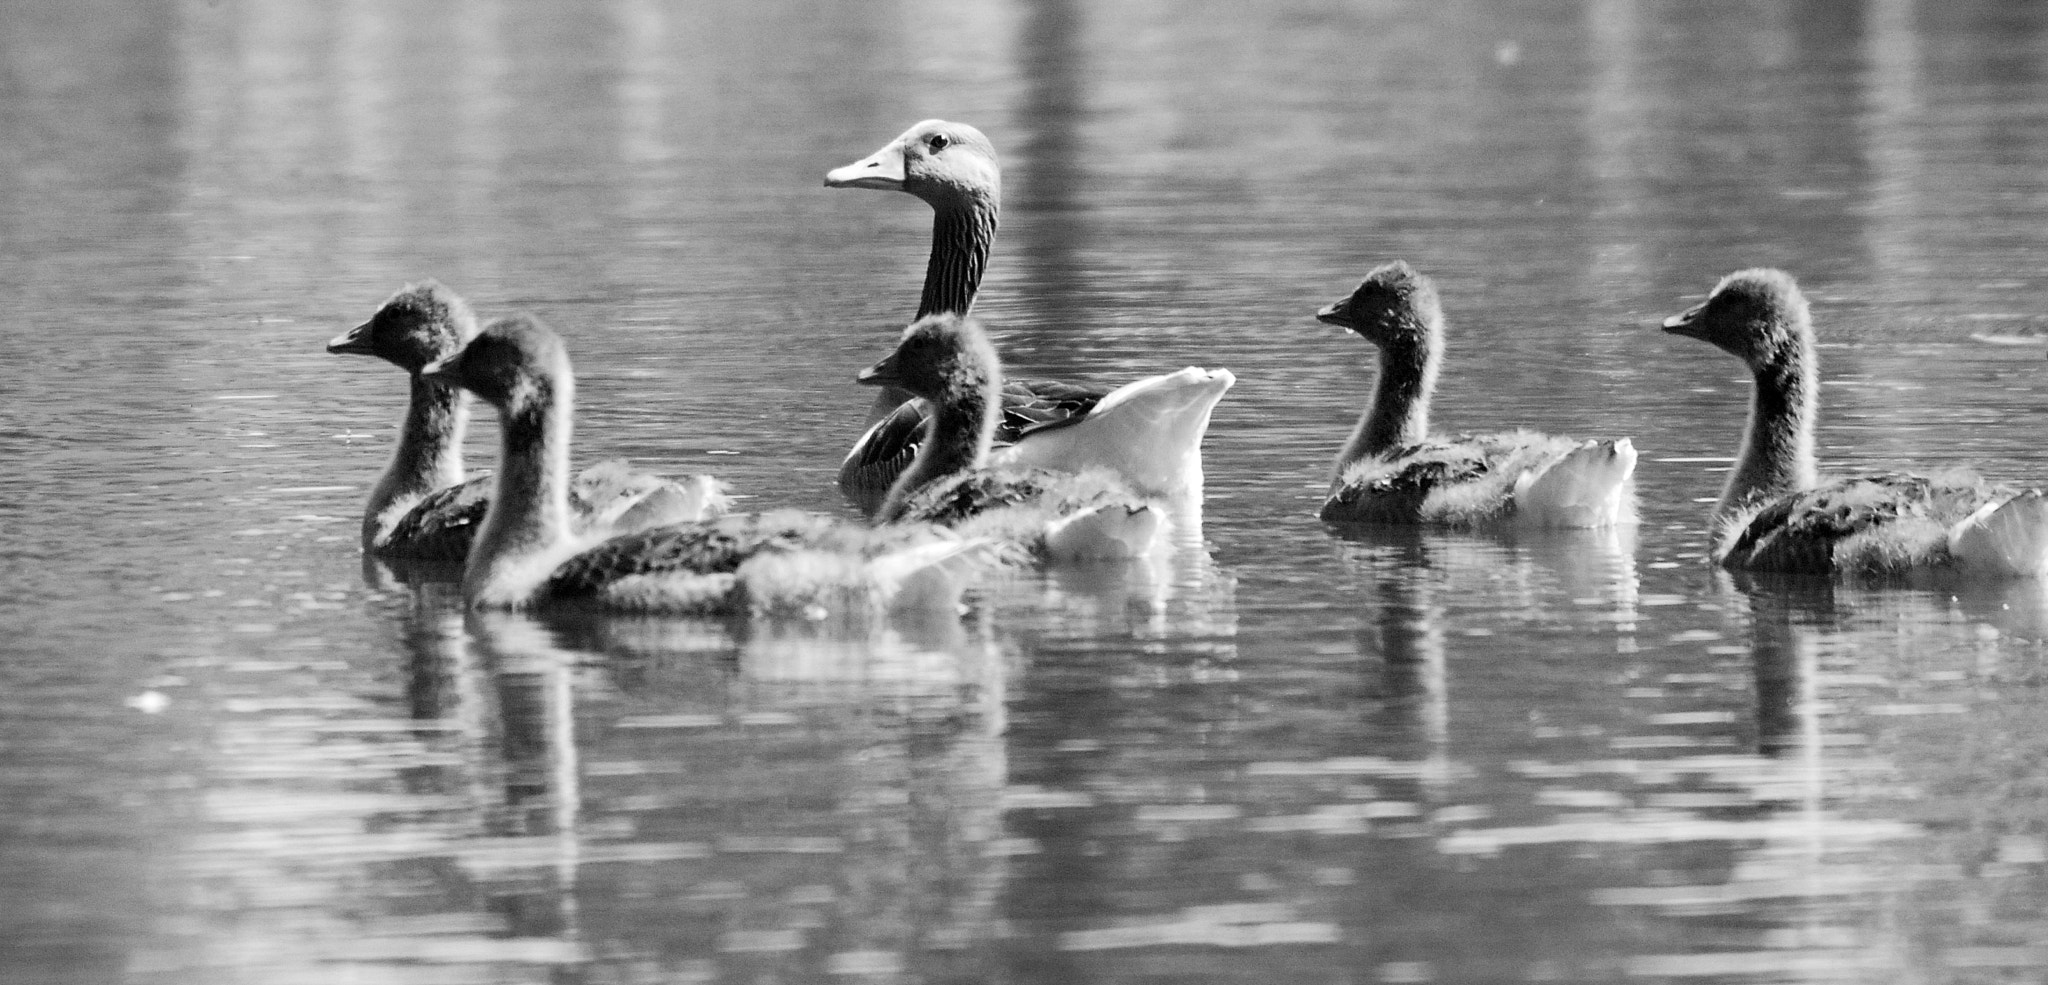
[938, 142]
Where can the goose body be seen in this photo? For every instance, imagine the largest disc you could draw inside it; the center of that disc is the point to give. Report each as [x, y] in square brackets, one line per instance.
[954, 481]
[1153, 441]
[1777, 514]
[422, 508]
[1393, 470]
[529, 552]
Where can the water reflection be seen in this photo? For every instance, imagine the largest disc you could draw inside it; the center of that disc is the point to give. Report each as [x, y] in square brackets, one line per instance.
[1444, 758]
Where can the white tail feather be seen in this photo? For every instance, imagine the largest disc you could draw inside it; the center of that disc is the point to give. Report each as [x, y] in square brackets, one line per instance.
[1589, 487]
[1148, 431]
[2004, 539]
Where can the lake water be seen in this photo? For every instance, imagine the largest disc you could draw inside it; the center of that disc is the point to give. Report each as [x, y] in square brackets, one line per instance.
[1294, 754]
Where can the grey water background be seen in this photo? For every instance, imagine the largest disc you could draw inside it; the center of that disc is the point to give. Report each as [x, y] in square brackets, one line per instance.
[1295, 755]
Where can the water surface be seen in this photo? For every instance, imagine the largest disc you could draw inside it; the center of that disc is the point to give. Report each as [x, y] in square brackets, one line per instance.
[1294, 754]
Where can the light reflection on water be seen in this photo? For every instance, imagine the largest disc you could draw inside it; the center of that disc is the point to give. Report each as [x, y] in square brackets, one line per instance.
[1291, 753]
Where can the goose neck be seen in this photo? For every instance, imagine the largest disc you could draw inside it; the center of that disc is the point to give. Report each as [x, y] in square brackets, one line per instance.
[957, 438]
[429, 454]
[1398, 415]
[1777, 455]
[962, 233]
[529, 514]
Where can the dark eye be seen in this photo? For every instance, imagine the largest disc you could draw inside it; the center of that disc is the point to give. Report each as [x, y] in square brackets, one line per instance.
[938, 142]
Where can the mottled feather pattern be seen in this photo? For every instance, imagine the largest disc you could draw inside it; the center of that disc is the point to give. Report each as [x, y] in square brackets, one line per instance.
[1877, 525]
[1463, 479]
[1028, 406]
[443, 525]
[1041, 405]
[721, 546]
[1016, 506]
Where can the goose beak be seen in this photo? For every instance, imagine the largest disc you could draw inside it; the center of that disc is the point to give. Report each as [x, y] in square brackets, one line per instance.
[883, 169]
[880, 374]
[1686, 322]
[355, 341]
[1333, 314]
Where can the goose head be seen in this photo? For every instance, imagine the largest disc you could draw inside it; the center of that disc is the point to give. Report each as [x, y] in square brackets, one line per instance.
[419, 324]
[942, 358]
[1393, 307]
[514, 364]
[1757, 315]
[940, 162]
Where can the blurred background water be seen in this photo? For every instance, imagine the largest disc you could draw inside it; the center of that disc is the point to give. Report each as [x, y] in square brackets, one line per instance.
[1294, 756]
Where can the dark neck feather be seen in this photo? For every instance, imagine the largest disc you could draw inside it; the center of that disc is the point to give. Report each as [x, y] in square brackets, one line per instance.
[956, 439]
[1399, 413]
[962, 233]
[429, 455]
[1777, 451]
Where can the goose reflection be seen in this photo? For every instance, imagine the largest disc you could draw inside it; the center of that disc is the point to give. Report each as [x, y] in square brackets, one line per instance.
[775, 781]
[1167, 599]
[1532, 578]
[1798, 620]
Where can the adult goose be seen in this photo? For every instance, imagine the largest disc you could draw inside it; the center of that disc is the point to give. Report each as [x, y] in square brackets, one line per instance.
[1154, 438]
[1777, 514]
[1393, 470]
[946, 360]
[421, 507]
[530, 551]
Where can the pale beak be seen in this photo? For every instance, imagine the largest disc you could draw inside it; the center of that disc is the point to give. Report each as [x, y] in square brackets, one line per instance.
[882, 169]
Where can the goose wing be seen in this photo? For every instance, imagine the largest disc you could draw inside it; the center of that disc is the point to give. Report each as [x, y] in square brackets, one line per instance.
[713, 547]
[1873, 525]
[882, 454]
[1392, 489]
[1041, 405]
[442, 526]
[889, 446]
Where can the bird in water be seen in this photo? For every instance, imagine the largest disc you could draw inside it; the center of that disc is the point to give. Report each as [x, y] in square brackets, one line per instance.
[1393, 470]
[531, 553]
[1152, 437]
[1777, 514]
[947, 361]
[422, 507]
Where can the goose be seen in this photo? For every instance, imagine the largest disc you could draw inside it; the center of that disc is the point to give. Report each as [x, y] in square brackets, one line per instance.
[946, 360]
[422, 507]
[1777, 514]
[529, 552]
[1152, 437]
[1392, 470]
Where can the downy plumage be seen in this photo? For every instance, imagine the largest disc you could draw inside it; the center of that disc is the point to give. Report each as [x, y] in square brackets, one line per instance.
[947, 361]
[1777, 514]
[529, 551]
[1393, 470]
[421, 507]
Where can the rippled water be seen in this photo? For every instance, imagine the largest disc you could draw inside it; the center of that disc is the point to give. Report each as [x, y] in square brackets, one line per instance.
[1296, 755]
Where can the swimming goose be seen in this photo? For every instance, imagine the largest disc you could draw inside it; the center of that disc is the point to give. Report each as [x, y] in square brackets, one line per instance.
[1153, 437]
[947, 361]
[1393, 471]
[1776, 514]
[530, 552]
[421, 507]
